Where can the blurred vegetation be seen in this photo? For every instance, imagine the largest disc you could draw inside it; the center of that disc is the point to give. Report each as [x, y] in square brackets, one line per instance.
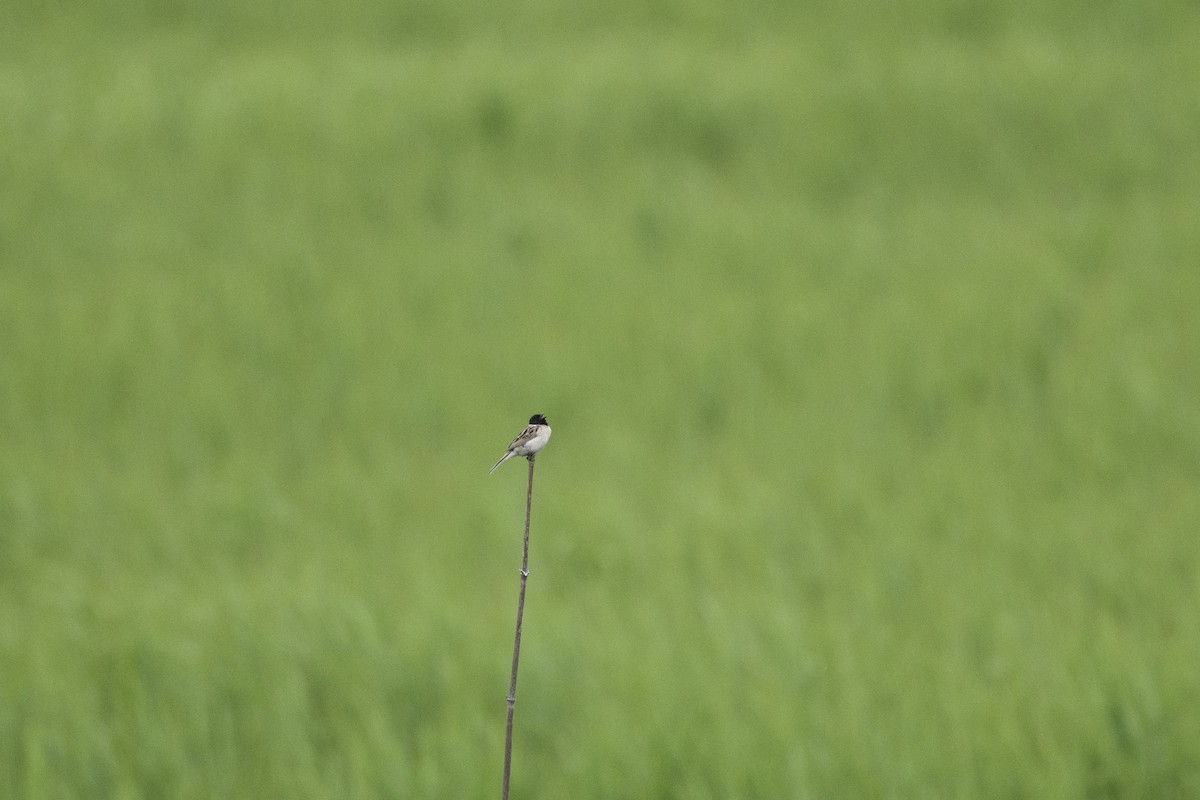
[868, 335]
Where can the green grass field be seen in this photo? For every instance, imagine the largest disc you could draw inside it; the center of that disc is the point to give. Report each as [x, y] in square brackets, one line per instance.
[870, 336]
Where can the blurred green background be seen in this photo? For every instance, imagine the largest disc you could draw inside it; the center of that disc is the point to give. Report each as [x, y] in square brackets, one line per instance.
[869, 336]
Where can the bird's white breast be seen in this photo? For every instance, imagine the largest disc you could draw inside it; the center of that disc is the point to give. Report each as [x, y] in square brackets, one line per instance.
[535, 444]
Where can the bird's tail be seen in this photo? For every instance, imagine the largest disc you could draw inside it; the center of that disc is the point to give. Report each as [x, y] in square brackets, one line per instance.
[503, 458]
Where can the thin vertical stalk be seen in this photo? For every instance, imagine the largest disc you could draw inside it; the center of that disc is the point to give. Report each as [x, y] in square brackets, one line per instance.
[512, 683]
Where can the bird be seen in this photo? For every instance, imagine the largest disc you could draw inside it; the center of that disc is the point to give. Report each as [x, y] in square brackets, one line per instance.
[529, 442]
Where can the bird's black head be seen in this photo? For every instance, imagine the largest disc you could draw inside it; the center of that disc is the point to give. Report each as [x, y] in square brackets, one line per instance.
[538, 419]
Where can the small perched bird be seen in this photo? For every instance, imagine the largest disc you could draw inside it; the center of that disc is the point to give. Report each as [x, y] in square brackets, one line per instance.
[530, 441]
